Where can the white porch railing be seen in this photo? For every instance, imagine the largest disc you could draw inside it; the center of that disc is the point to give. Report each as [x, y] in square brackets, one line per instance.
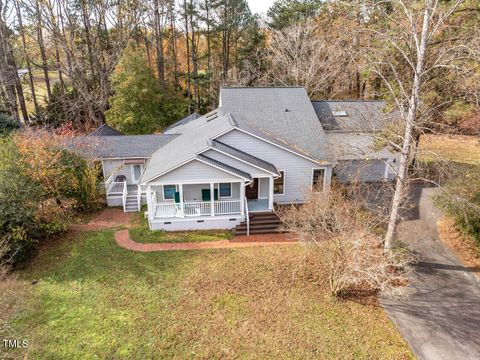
[225, 207]
[197, 208]
[114, 187]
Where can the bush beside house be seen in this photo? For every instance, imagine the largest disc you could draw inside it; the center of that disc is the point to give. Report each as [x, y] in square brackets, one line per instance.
[41, 186]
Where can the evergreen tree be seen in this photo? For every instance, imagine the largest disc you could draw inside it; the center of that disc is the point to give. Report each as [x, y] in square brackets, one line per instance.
[139, 105]
[284, 13]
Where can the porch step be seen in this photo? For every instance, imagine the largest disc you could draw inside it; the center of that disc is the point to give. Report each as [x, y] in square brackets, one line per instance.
[261, 223]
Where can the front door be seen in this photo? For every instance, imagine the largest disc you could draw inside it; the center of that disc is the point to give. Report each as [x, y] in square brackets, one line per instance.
[136, 173]
[251, 191]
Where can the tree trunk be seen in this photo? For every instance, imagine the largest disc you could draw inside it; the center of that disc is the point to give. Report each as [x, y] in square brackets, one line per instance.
[41, 46]
[187, 46]
[173, 45]
[410, 123]
[159, 45]
[194, 60]
[27, 57]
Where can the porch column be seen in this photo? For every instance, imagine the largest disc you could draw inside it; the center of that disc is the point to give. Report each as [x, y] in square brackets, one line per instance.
[242, 197]
[149, 202]
[270, 193]
[212, 199]
[180, 193]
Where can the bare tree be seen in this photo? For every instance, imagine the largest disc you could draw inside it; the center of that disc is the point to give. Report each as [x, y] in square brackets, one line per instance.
[345, 244]
[413, 27]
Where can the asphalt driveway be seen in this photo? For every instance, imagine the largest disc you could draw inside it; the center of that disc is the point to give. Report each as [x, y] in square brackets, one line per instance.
[440, 317]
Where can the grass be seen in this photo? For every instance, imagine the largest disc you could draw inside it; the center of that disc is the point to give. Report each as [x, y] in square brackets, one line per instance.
[144, 235]
[94, 299]
[40, 87]
[455, 148]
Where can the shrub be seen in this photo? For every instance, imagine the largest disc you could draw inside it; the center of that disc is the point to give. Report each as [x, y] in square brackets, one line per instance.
[7, 124]
[41, 185]
[346, 244]
[460, 199]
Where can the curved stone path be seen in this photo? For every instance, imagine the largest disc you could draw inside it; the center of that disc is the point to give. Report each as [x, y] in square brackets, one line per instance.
[123, 239]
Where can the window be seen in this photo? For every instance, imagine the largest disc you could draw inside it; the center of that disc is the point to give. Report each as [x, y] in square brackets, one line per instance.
[225, 190]
[318, 179]
[169, 192]
[279, 184]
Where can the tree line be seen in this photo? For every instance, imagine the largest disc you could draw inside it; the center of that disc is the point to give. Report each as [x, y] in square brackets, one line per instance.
[71, 51]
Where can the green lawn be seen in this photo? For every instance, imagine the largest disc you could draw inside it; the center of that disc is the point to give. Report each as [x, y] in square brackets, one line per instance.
[94, 299]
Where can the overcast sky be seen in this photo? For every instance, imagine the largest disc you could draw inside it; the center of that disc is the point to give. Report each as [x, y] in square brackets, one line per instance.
[260, 6]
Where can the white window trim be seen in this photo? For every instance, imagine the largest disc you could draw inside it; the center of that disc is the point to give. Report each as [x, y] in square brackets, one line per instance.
[163, 192]
[231, 190]
[284, 182]
[324, 177]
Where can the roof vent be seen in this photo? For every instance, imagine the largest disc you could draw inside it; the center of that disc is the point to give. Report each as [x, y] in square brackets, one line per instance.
[286, 110]
[339, 113]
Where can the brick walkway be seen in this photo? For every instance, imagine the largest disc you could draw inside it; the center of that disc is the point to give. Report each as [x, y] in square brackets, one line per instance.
[123, 239]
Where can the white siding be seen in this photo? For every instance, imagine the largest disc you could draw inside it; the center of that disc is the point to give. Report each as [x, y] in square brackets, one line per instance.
[298, 170]
[195, 171]
[235, 163]
[116, 167]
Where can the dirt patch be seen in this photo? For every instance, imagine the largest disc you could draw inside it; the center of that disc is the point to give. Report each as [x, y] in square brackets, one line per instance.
[107, 219]
[463, 245]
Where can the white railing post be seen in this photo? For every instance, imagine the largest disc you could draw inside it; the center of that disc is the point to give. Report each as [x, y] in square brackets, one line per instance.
[242, 196]
[270, 193]
[124, 195]
[180, 193]
[247, 216]
[139, 198]
[212, 199]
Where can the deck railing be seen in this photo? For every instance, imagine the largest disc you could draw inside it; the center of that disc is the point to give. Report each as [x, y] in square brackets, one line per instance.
[196, 208]
[124, 195]
[225, 207]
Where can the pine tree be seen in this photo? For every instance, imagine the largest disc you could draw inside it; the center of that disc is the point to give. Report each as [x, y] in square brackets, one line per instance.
[139, 105]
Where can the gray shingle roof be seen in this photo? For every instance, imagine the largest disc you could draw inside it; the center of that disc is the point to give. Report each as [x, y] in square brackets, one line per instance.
[188, 144]
[244, 156]
[284, 114]
[224, 166]
[105, 130]
[176, 126]
[361, 115]
[126, 146]
[349, 145]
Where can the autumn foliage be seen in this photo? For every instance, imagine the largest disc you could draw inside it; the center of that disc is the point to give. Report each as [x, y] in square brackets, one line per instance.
[42, 184]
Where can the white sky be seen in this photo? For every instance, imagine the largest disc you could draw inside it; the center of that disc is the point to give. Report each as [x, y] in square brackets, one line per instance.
[260, 6]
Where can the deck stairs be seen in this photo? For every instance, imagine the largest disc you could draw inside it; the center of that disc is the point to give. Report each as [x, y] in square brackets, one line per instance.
[260, 223]
[131, 202]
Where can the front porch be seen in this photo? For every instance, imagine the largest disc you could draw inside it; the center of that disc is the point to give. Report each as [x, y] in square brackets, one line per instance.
[206, 205]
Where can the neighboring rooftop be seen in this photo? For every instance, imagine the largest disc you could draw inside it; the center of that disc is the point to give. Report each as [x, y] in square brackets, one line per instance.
[105, 130]
[284, 114]
[126, 146]
[352, 116]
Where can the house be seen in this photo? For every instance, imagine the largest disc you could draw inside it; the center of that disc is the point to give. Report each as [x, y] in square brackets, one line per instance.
[259, 148]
